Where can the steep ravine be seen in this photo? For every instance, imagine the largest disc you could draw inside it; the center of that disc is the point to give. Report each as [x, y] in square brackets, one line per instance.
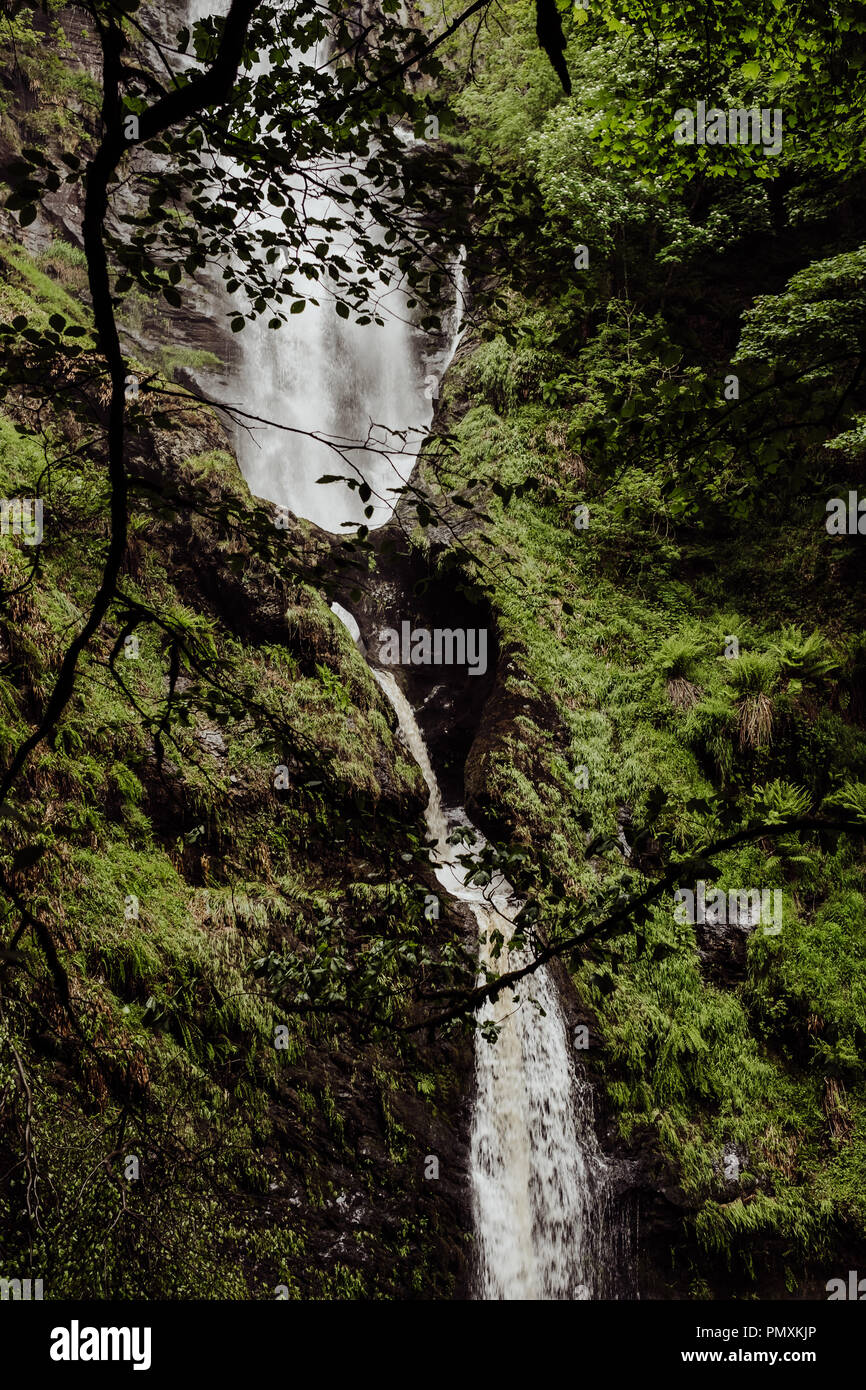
[312, 1162]
[550, 1215]
[540, 1186]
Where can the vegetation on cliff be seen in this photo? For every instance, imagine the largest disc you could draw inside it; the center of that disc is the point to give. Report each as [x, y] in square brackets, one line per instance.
[212, 871]
[685, 636]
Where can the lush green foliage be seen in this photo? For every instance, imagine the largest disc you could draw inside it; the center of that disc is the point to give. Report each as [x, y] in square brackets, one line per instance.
[609, 388]
[643, 729]
[151, 839]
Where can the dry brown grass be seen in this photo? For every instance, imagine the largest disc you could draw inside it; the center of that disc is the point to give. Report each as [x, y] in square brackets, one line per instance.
[835, 1106]
[756, 721]
[683, 693]
[779, 1151]
[572, 465]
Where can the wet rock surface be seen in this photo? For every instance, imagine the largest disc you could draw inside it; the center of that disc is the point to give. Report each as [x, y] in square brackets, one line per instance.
[449, 701]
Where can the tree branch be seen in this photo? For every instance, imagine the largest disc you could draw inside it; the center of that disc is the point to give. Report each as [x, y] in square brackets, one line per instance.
[207, 89]
[620, 917]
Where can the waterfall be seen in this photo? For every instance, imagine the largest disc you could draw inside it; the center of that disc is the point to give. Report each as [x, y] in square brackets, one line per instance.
[363, 387]
[367, 389]
[358, 385]
[538, 1175]
[539, 1180]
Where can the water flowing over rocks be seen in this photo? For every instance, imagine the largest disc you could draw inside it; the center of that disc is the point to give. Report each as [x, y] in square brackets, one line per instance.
[540, 1186]
[529, 1203]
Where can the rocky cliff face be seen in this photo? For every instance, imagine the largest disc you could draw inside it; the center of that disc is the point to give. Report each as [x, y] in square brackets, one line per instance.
[232, 789]
[269, 1151]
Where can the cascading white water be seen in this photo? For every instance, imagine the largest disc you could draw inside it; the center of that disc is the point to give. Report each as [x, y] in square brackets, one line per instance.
[356, 384]
[538, 1175]
[367, 388]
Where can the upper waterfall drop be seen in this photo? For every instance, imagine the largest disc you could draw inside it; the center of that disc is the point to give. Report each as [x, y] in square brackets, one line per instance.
[365, 391]
[362, 386]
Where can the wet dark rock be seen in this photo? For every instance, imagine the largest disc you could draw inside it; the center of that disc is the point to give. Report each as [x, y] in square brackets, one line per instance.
[722, 948]
[407, 586]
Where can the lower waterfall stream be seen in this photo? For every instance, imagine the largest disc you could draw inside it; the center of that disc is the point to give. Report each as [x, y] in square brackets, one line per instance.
[539, 1180]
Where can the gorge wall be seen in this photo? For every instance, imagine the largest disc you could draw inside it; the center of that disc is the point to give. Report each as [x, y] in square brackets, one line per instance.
[286, 1151]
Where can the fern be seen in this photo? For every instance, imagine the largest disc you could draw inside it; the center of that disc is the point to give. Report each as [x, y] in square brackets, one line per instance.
[851, 798]
[804, 658]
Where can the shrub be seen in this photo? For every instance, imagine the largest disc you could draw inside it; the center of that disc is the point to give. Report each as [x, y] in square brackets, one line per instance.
[754, 678]
[804, 658]
[677, 660]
